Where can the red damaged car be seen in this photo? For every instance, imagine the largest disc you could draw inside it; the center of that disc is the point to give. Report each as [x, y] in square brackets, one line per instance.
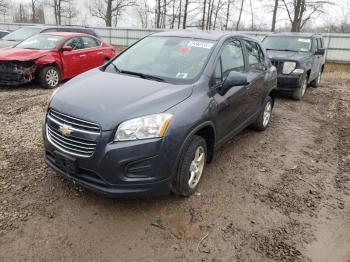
[52, 57]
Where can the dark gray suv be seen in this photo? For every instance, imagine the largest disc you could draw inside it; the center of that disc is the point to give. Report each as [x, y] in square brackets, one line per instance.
[299, 59]
[147, 122]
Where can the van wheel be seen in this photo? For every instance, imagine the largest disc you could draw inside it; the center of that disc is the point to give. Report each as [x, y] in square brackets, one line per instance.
[316, 82]
[263, 120]
[49, 77]
[191, 167]
[299, 93]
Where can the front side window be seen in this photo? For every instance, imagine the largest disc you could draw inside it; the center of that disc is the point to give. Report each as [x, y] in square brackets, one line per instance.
[40, 42]
[255, 55]
[175, 59]
[231, 59]
[75, 43]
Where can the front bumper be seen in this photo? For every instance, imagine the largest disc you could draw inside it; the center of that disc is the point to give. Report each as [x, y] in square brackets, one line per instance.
[13, 79]
[289, 82]
[125, 169]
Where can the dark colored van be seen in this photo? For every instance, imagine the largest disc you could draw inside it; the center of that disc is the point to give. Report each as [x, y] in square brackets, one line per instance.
[148, 122]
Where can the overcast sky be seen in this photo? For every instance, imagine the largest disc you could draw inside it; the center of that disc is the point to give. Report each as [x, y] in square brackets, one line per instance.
[262, 14]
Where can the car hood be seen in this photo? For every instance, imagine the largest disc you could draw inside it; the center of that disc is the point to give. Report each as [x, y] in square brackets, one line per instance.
[4, 43]
[17, 54]
[287, 55]
[110, 98]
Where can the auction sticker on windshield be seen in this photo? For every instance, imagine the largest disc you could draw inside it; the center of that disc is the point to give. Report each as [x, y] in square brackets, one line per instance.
[200, 44]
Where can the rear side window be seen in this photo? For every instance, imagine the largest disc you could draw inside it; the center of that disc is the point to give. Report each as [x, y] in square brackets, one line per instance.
[319, 43]
[255, 55]
[89, 42]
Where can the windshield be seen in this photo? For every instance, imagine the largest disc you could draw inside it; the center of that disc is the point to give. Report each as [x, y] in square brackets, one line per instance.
[40, 42]
[173, 59]
[22, 34]
[288, 43]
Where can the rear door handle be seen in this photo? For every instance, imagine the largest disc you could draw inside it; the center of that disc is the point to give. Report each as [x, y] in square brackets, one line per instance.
[82, 55]
[100, 53]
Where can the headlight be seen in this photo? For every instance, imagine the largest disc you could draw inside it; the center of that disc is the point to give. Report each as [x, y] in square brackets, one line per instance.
[288, 67]
[151, 126]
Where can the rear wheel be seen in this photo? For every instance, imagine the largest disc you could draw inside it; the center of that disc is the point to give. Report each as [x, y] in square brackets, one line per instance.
[191, 167]
[49, 77]
[299, 93]
[263, 120]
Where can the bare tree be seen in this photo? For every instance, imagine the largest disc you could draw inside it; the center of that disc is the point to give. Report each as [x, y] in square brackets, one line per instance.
[109, 9]
[34, 7]
[21, 15]
[69, 11]
[274, 15]
[229, 2]
[203, 16]
[240, 14]
[184, 23]
[143, 11]
[4, 8]
[301, 11]
[252, 14]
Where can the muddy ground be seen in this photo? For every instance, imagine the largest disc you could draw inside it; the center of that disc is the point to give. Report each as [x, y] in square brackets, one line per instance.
[280, 195]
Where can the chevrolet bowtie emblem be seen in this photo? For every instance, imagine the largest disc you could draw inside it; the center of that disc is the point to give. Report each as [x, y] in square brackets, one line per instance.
[65, 130]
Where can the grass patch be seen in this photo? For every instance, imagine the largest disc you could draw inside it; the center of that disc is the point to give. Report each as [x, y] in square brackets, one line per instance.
[336, 72]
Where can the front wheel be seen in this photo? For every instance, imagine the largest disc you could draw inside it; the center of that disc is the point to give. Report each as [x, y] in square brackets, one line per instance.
[49, 77]
[263, 120]
[299, 93]
[316, 82]
[191, 167]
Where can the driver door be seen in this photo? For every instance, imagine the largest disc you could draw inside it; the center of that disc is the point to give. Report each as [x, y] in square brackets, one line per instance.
[232, 105]
[75, 61]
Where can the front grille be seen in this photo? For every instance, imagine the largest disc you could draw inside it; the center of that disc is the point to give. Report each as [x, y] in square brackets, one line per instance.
[82, 125]
[278, 64]
[78, 143]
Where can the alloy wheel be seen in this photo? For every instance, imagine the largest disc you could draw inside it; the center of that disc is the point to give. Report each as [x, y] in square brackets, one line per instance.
[267, 113]
[52, 77]
[196, 167]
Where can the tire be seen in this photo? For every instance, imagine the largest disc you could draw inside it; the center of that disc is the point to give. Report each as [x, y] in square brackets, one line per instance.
[316, 82]
[189, 168]
[49, 77]
[299, 93]
[263, 120]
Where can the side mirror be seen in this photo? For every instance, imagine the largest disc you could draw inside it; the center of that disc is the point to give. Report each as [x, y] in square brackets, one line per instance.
[233, 79]
[320, 51]
[67, 48]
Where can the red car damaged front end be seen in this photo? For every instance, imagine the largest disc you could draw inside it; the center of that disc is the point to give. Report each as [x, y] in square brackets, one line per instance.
[16, 72]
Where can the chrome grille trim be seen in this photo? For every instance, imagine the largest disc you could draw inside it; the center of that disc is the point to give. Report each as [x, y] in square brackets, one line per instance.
[67, 146]
[75, 123]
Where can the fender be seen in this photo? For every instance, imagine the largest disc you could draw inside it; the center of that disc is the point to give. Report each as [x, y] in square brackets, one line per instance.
[49, 60]
[188, 137]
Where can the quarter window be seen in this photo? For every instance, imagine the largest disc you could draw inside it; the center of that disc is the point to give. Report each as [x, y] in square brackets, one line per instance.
[255, 55]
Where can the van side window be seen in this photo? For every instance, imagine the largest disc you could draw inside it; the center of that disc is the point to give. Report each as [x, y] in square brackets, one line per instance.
[255, 55]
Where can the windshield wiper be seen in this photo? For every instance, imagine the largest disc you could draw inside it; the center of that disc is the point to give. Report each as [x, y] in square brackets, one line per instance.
[115, 67]
[142, 75]
[282, 50]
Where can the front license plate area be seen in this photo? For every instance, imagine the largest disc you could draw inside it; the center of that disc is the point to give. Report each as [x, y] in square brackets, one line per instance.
[66, 163]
